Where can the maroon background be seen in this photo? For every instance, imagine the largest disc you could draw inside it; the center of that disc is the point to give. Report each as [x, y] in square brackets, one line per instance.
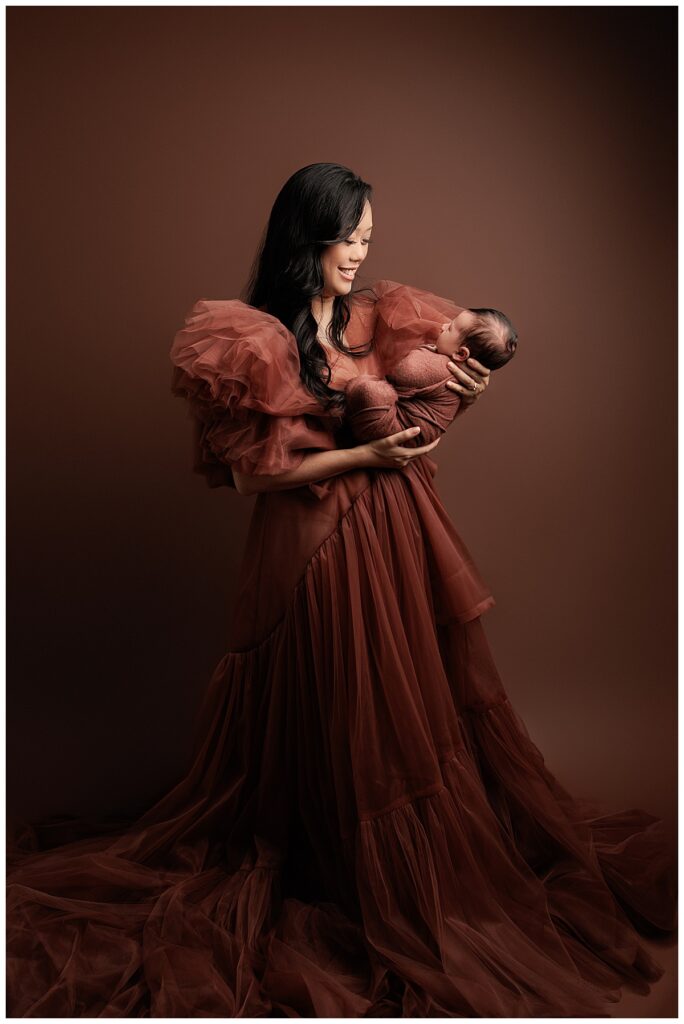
[523, 158]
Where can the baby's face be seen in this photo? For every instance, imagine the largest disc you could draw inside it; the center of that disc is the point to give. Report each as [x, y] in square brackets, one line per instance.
[449, 340]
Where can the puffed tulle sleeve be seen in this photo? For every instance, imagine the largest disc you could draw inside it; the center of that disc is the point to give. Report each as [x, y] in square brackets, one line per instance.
[238, 367]
[406, 318]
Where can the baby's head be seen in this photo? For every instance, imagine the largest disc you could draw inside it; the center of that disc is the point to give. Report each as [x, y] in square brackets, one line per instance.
[486, 334]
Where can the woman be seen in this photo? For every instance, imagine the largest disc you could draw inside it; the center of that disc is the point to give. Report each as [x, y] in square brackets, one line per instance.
[366, 828]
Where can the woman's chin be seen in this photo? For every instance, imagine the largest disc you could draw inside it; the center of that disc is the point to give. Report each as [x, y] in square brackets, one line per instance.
[339, 286]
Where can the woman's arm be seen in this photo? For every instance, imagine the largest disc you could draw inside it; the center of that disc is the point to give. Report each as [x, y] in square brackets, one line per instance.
[317, 466]
[387, 452]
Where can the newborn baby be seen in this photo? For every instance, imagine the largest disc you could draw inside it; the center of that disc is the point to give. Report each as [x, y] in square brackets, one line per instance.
[415, 394]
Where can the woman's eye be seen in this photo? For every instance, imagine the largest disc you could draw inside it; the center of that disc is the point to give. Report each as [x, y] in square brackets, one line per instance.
[366, 241]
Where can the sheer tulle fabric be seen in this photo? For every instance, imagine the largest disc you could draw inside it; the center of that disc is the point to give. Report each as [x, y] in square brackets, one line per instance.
[238, 367]
[406, 318]
[366, 827]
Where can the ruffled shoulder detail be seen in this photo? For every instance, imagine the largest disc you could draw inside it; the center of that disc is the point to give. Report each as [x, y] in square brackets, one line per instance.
[406, 318]
[237, 357]
[238, 367]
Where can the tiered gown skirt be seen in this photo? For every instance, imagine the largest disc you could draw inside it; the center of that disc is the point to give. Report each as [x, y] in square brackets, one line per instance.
[366, 827]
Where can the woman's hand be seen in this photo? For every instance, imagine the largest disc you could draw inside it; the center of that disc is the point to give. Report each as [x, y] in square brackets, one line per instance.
[388, 452]
[472, 379]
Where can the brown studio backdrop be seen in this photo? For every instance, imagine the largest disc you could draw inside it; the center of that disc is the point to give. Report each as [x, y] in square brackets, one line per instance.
[523, 158]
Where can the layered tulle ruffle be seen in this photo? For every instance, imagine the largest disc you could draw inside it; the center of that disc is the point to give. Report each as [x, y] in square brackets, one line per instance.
[405, 318]
[238, 369]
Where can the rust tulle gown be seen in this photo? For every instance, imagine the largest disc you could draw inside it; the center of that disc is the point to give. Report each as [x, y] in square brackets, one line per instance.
[366, 827]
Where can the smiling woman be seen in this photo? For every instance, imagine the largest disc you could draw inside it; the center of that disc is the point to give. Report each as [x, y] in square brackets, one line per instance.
[352, 251]
[366, 827]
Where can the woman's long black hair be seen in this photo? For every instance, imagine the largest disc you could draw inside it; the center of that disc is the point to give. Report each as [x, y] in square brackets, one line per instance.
[321, 204]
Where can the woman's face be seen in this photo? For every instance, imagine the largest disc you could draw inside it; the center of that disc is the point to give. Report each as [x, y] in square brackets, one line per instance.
[350, 253]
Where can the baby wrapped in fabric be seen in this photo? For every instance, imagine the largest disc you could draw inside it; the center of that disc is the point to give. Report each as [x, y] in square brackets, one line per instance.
[414, 391]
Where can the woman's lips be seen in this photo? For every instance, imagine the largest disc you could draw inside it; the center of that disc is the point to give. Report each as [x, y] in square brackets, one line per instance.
[347, 274]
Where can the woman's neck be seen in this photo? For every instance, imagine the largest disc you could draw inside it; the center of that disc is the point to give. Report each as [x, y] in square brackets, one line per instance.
[322, 307]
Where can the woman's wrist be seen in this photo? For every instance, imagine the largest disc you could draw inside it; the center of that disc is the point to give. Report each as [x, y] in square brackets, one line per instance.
[359, 456]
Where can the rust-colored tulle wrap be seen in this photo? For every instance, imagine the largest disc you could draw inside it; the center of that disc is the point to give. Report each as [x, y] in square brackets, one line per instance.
[366, 827]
